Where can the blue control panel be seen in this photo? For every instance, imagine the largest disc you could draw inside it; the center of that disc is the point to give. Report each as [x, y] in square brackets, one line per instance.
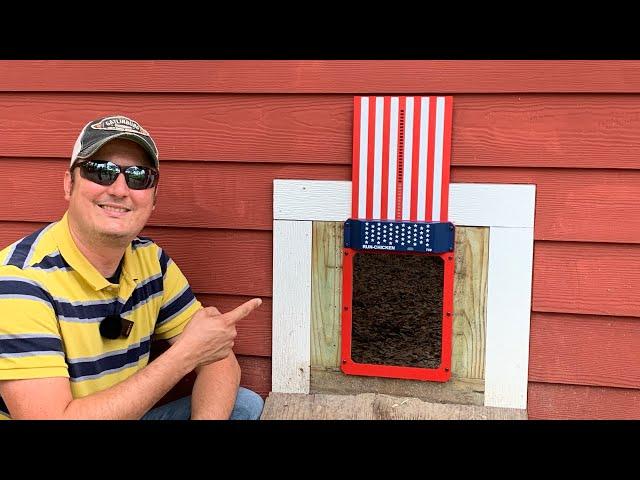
[399, 236]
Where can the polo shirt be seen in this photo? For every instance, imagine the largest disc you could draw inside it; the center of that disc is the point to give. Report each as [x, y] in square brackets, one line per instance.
[52, 301]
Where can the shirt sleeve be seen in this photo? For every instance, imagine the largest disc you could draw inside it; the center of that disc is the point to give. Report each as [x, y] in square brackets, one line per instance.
[178, 301]
[30, 341]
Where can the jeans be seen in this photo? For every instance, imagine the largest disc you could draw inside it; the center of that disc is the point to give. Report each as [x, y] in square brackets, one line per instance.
[248, 406]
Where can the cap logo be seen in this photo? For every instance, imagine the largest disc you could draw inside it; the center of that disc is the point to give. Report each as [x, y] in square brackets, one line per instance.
[120, 124]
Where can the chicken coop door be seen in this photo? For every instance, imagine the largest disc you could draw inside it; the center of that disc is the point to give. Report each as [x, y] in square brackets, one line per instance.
[398, 246]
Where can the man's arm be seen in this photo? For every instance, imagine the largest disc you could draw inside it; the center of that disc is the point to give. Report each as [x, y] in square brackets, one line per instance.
[214, 391]
[207, 338]
[50, 398]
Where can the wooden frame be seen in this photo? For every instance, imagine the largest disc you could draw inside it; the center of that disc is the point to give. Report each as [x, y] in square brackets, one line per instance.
[508, 211]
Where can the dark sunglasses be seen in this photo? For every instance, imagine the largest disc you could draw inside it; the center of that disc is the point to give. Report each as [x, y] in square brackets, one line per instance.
[105, 173]
[114, 326]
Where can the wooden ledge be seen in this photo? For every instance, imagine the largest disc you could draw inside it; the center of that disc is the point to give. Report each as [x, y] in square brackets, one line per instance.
[373, 406]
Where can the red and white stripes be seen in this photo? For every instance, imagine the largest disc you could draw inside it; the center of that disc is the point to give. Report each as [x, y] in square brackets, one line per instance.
[401, 155]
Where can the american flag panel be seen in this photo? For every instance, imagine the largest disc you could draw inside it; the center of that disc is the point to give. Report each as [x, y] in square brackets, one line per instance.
[401, 157]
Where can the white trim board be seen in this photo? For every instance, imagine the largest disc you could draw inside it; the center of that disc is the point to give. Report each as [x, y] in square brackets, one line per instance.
[470, 204]
[508, 211]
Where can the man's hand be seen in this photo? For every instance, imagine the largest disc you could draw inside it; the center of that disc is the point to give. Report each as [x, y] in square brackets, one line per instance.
[210, 335]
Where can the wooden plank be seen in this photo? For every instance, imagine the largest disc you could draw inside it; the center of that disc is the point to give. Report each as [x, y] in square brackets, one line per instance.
[190, 194]
[233, 262]
[571, 402]
[585, 131]
[326, 293]
[469, 204]
[492, 205]
[371, 406]
[508, 317]
[315, 76]
[13, 231]
[585, 350]
[305, 200]
[291, 306]
[463, 391]
[577, 131]
[589, 278]
[200, 127]
[256, 374]
[568, 200]
[469, 302]
[227, 195]
[254, 331]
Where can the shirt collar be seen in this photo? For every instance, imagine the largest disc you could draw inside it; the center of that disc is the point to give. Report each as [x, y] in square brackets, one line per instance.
[75, 258]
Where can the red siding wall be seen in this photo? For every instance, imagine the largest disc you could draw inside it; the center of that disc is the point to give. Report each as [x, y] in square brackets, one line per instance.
[570, 127]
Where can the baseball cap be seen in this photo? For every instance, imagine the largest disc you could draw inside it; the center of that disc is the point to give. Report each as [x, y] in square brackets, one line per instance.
[98, 132]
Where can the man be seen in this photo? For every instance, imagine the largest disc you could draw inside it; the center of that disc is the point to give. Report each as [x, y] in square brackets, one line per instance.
[81, 300]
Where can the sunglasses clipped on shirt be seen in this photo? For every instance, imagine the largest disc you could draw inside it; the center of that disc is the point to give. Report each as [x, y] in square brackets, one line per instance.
[114, 326]
[102, 172]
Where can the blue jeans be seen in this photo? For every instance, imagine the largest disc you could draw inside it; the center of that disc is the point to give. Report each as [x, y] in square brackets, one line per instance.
[248, 406]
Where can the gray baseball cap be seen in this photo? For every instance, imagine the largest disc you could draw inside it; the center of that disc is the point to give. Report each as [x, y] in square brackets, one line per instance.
[98, 132]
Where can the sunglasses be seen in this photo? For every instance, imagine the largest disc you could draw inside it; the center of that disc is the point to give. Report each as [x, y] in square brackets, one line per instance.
[105, 173]
[114, 326]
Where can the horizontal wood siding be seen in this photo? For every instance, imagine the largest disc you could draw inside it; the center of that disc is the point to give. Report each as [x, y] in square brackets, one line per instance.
[190, 194]
[576, 402]
[227, 129]
[201, 127]
[572, 204]
[585, 350]
[584, 205]
[523, 130]
[256, 374]
[312, 76]
[219, 261]
[232, 262]
[591, 278]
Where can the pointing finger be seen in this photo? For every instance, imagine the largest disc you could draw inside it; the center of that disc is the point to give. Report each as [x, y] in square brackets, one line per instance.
[244, 309]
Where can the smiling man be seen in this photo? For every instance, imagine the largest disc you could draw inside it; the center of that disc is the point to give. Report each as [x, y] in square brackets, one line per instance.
[82, 299]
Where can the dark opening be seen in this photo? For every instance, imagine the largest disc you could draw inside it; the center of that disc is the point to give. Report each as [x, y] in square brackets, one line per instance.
[397, 309]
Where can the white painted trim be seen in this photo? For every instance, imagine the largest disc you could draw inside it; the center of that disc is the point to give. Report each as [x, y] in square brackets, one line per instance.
[508, 317]
[470, 204]
[508, 211]
[291, 335]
